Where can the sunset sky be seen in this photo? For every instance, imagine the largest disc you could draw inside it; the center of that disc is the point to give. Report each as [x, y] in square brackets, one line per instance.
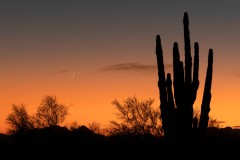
[88, 53]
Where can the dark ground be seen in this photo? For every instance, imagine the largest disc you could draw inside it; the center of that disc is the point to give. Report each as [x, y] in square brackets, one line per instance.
[60, 143]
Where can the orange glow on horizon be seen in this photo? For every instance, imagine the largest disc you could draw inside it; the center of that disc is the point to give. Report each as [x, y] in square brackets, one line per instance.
[90, 99]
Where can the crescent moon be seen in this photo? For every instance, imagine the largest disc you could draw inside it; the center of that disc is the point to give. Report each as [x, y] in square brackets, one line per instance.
[73, 75]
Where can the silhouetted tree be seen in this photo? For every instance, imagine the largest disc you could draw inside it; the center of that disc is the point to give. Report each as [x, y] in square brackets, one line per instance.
[73, 126]
[19, 119]
[50, 112]
[213, 122]
[177, 111]
[95, 127]
[136, 118]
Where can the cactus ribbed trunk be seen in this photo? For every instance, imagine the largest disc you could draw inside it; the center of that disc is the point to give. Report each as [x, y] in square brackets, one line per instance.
[177, 107]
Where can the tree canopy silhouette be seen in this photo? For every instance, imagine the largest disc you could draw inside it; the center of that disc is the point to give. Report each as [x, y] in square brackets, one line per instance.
[50, 112]
[137, 117]
[19, 119]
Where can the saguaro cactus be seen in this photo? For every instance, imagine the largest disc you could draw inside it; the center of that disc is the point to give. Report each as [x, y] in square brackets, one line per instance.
[177, 109]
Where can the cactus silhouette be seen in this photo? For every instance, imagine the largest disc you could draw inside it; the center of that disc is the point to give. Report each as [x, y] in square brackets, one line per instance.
[177, 107]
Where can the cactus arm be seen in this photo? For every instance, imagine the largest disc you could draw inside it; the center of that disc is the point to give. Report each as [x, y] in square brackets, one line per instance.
[196, 64]
[205, 107]
[162, 86]
[178, 76]
[171, 108]
[195, 82]
[161, 71]
[188, 57]
[171, 105]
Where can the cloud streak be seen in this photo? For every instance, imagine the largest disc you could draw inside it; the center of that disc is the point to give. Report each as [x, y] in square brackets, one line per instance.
[132, 67]
[237, 75]
[62, 71]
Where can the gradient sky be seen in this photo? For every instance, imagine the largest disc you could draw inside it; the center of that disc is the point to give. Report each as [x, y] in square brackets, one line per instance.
[89, 53]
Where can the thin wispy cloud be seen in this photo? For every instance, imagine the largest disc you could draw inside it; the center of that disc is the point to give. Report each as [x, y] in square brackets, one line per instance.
[62, 71]
[128, 66]
[131, 67]
[237, 75]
